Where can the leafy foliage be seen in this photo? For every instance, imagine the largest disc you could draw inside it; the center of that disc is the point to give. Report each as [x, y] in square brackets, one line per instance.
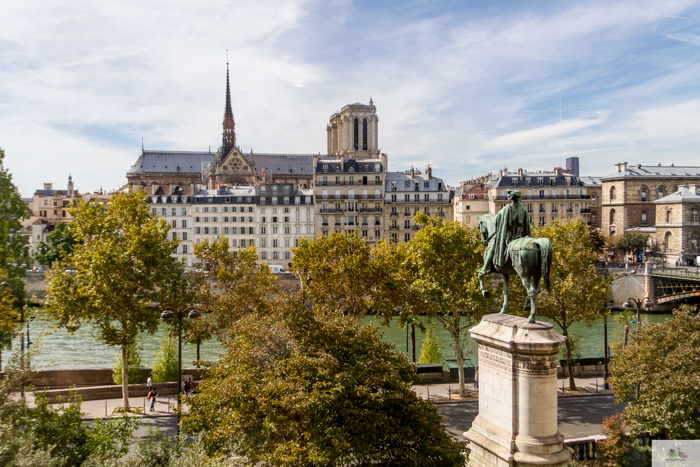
[8, 325]
[441, 263]
[165, 364]
[236, 286]
[661, 360]
[135, 365]
[431, 350]
[60, 245]
[578, 293]
[612, 451]
[122, 257]
[631, 241]
[305, 387]
[47, 436]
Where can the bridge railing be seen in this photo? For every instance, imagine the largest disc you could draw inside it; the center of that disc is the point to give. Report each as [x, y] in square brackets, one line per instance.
[681, 273]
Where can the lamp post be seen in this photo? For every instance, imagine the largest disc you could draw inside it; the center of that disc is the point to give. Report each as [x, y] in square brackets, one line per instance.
[638, 304]
[170, 313]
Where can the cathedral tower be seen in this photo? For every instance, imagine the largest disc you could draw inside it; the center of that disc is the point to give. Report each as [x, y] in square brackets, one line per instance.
[352, 132]
[229, 134]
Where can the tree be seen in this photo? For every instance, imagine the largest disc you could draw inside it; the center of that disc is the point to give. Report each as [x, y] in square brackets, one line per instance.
[54, 435]
[235, 286]
[346, 274]
[60, 245]
[578, 293]
[656, 374]
[442, 260]
[135, 366]
[122, 257]
[631, 241]
[165, 364]
[14, 254]
[301, 386]
[431, 350]
[613, 449]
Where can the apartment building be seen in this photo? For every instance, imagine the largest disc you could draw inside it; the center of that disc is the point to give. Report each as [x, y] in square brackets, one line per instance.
[548, 196]
[173, 203]
[408, 193]
[470, 200]
[594, 187]
[349, 195]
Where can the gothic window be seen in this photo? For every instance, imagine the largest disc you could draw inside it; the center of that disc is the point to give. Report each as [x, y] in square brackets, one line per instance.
[356, 135]
[613, 195]
[364, 134]
[662, 191]
[695, 215]
[612, 216]
[668, 241]
[668, 217]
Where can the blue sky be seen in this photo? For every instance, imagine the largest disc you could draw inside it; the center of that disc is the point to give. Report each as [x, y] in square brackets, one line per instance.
[467, 87]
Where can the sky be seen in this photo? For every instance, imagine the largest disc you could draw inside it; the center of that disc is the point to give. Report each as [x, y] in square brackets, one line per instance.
[467, 87]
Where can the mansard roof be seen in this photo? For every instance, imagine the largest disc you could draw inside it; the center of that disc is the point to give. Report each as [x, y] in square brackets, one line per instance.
[278, 164]
[655, 171]
[683, 195]
[550, 180]
[171, 161]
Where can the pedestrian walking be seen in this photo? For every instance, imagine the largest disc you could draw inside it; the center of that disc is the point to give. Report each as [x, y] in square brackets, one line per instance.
[476, 378]
[152, 394]
[191, 386]
[149, 382]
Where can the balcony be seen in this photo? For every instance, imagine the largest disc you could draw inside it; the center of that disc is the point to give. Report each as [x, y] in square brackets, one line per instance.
[394, 227]
[585, 211]
[370, 210]
[415, 227]
[537, 196]
[394, 214]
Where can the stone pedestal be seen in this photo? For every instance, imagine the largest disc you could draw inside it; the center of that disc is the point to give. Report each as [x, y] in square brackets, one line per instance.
[517, 421]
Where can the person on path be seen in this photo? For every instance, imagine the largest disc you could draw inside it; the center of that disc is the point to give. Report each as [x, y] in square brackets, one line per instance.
[149, 382]
[152, 394]
[188, 388]
[476, 378]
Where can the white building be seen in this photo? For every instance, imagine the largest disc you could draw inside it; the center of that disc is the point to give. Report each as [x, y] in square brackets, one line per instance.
[173, 203]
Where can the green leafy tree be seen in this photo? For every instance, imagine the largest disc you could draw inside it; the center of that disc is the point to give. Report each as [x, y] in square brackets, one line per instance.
[577, 293]
[657, 375]
[344, 273]
[54, 435]
[14, 253]
[237, 285]
[442, 260]
[431, 350]
[165, 364]
[8, 321]
[299, 386]
[60, 245]
[122, 257]
[135, 365]
[631, 242]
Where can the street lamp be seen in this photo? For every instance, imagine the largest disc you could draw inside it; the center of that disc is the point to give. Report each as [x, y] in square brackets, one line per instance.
[170, 313]
[638, 304]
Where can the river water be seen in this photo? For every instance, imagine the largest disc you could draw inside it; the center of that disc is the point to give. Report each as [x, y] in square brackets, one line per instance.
[60, 350]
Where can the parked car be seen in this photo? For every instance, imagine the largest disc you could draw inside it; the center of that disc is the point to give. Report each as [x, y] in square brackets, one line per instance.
[277, 269]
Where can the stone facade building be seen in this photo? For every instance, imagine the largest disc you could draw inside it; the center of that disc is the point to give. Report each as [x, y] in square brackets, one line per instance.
[594, 185]
[677, 227]
[174, 204]
[548, 196]
[469, 201]
[408, 193]
[630, 191]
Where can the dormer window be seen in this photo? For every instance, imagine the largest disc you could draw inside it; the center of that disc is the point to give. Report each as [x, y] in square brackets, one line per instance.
[540, 181]
[325, 168]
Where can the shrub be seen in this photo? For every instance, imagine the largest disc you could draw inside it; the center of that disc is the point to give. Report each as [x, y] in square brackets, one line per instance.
[431, 350]
[165, 364]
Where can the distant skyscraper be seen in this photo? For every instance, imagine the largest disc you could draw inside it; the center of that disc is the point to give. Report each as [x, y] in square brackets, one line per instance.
[572, 164]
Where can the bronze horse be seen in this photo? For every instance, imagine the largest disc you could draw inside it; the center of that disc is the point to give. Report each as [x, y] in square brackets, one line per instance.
[529, 258]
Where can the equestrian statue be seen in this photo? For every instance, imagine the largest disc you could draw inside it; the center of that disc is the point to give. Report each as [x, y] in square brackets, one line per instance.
[511, 250]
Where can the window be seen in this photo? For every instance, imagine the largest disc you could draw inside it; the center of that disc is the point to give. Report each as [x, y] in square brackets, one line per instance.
[275, 255]
[205, 209]
[668, 216]
[364, 134]
[417, 198]
[612, 216]
[529, 207]
[214, 209]
[356, 136]
[542, 222]
[644, 194]
[263, 255]
[286, 230]
[377, 233]
[662, 191]
[287, 255]
[426, 198]
[644, 216]
[184, 249]
[174, 224]
[542, 209]
[184, 236]
[440, 197]
[407, 198]
[184, 224]
[407, 237]
[173, 211]
[407, 224]
[695, 215]
[376, 220]
[196, 230]
[569, 207]
[613, 193]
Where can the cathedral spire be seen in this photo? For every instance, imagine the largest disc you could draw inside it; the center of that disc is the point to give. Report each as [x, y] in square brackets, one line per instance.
[229, 134]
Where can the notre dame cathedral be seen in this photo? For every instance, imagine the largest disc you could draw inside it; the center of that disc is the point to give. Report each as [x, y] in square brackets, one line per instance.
[352, 134]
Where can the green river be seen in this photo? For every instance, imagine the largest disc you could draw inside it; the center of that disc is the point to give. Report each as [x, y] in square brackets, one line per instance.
[61, 350]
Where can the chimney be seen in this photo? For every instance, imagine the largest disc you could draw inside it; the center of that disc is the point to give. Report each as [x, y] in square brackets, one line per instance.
[558, 171]
[693, 188]
[621, 167]
[429, 172]
[413, 172]
[520, 173]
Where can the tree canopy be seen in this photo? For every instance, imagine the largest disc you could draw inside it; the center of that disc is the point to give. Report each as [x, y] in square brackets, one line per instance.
[122, 257]
[631, 242]
[59, 245]
[300, 386]
[657, 374]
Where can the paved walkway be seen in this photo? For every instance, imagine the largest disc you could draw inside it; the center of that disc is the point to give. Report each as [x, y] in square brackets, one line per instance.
[441, 393]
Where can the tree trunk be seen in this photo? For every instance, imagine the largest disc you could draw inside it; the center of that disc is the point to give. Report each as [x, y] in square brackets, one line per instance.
[413, 344]
[0, 358]
[197, 351]
[460, 363]
[125, 379]
[569, 363]
[627, 332]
